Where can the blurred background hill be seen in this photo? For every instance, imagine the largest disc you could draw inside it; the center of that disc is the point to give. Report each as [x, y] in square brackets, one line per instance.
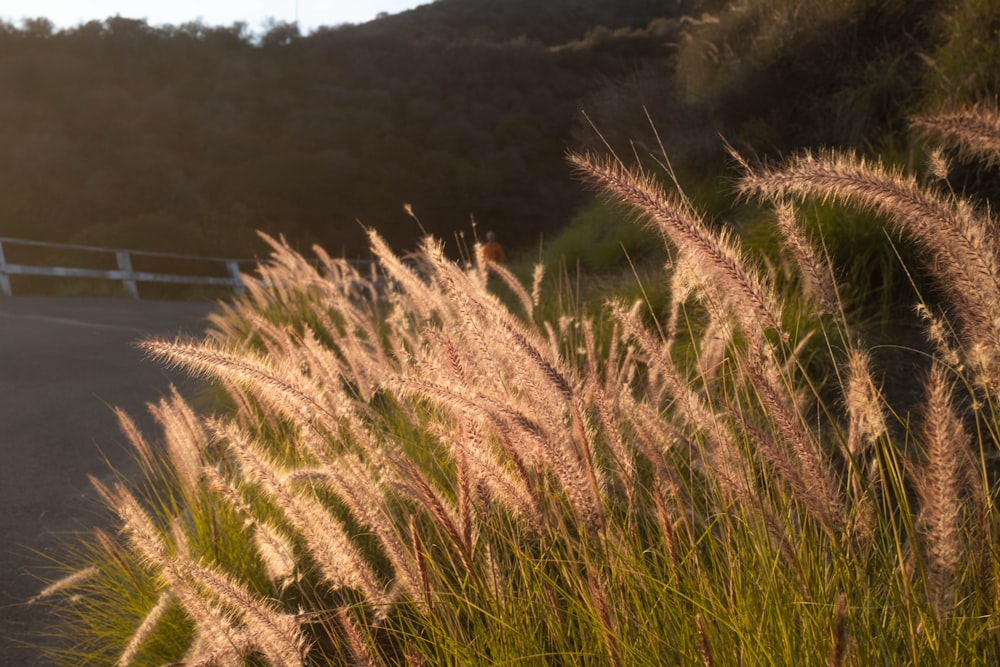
[190, 137]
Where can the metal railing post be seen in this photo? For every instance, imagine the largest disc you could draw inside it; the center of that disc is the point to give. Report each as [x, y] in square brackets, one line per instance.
[234, 271]
[125, 273]
[4, 278]
[125, 266]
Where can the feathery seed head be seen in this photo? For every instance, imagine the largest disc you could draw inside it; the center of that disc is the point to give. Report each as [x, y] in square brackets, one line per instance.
[145, 629]
[937, 164]
[867, 421]
[817, 277]
[536, 283]
[942, 486]
[974, 131]
[723, 269]
[68, 582]
[957, 238]
[939, 333]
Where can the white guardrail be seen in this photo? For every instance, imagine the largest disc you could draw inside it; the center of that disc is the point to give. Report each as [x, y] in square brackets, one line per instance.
[124, 273]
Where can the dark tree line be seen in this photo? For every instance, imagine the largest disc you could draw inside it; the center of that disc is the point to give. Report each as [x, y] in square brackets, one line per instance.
[189, 137]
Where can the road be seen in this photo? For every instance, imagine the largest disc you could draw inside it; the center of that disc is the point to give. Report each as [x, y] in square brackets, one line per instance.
[64, 363]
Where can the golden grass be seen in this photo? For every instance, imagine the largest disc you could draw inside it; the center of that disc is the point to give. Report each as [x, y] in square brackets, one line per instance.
[404, 455]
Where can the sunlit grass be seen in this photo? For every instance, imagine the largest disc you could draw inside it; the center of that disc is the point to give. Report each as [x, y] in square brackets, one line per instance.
[416, 471]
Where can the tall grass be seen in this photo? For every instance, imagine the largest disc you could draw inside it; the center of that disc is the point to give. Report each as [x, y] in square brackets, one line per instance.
[408, 471]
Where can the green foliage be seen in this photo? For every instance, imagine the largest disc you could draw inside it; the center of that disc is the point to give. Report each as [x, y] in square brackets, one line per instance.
[965, 65]
[747, 37]
[601, 238]
[773, 78]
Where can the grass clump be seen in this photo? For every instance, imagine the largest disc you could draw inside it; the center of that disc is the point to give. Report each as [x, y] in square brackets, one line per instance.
[600, 239]
[412, 472]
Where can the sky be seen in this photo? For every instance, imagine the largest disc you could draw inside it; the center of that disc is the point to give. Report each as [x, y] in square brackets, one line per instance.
[309, 14]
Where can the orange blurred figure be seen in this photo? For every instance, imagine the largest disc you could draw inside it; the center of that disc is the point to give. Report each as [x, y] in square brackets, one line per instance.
[492, 250]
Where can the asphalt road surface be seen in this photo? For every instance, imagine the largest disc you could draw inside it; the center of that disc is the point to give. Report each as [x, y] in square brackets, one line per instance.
[64, 364]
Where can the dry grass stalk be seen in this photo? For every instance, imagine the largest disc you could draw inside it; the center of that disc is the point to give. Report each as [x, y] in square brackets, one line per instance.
[712, 350]
[838, 649]
[362, 356]
[725, 460]
[690, 406]
[591, 356]
[445, 355]
[937, 165]
[975, 131]
[958, 239]
[218, 641]
[287, 275]
[685, 284]
[502, 337]
[609, 416]
[136, 524]
[537, 276]
[423, 298]
[534, 443]
[704, 647]
[420, 556]
[725, 273]
[817, 277]
[446, 515]
[776, 457]
[618, 364]
[109, 547]
[145, 629]
[275, 549]
[136, 439]
[337, 557]
[185, 439]
[816, 483]
[863, 400]
[277, 553]
[597, 587]
[940, 334]
[70, 581]
[329, 371]
[219, 633]
[361, 651]
[274, 382]
[276, 634]
[364, 495]
[513, 489]
[665, 520]
[942, 487]
[652, 436]
[470, 527]
[526, 300]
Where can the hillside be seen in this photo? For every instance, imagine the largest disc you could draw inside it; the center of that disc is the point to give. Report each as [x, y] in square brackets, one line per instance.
[189, 137]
